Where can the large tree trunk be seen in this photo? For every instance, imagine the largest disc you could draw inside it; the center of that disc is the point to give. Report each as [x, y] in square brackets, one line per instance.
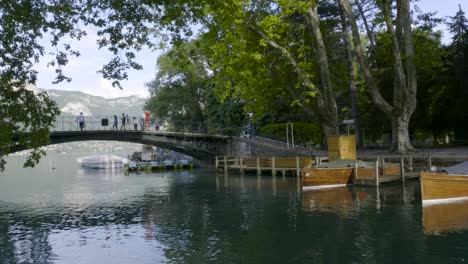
[353, 92]
[326, 103]
[405, 85]
[404, 90]
[400, 136]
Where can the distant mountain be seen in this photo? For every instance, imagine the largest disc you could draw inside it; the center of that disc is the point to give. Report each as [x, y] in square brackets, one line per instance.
[74, 102]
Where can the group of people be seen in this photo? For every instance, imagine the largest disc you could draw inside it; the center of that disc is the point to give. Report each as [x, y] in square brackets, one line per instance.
[125, 122]
[143, 121]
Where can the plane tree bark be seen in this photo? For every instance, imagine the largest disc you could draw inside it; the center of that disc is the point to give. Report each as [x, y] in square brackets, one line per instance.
[405, 83]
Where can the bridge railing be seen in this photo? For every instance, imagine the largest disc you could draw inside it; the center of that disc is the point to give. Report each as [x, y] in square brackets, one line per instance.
[70, 123]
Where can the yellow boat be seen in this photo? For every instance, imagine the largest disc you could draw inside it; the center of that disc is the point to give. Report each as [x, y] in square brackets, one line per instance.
[341, 173]
[315, 178]
[445, 217]
[442, 187]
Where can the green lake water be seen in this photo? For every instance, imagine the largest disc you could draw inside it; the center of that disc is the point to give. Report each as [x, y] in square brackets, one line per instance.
[61, 213]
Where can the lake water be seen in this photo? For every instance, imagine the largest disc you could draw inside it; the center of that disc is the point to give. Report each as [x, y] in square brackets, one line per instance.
[61, 213]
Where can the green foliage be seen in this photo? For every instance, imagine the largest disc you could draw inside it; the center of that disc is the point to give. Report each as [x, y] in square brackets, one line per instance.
[183, 93]
[231, 74]
[178, 92]
[25, 117]
[304, 133]
[457, 88]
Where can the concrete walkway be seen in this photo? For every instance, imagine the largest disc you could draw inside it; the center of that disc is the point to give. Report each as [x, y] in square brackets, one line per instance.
[447, 153]
[459, 153]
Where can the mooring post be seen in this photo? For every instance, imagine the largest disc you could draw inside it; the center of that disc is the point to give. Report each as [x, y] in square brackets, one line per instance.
[225, 165]
[273, 171]
[429, 161]
[402, 169]
[410, 163]
[259, 172]
[377, 181]
[382, 165]
[216, 162]
[355, 170]
[298, 172]
[240, 164]
[317, 160]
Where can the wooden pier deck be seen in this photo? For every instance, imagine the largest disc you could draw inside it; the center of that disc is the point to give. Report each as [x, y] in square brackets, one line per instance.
[385, 179]
[294, 166]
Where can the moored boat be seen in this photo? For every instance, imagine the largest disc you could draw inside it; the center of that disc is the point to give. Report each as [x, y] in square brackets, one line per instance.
[343, 172]
[440, 187]
[449, 184]
[103, 161]
[315, 178]
[334, 174]
[157, 165]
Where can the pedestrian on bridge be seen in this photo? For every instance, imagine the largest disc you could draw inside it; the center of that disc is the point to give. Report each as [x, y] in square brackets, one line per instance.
[147, 118]
[116, 123]
[142, 121]
[122, 126]
[80, 120]
[135, 123]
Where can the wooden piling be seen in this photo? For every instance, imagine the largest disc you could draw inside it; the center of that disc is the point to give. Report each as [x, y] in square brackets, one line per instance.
[259, 172]
[429, 161]
[225, 165]
[273, 171]
[241, 167]
[216, 162]
[355, 170]
[317, 160]
[402, 169]
[298, 172]
[377, 181]
[410, 163]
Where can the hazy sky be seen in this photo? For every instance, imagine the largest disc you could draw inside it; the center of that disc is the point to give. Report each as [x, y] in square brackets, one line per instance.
[83, 70]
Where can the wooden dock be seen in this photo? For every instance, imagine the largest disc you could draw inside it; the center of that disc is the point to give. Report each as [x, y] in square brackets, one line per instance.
[259, 165]
[382, 172]
[385, 178]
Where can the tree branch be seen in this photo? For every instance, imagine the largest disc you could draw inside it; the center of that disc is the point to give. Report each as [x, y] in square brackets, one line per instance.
[360, 53]
[288, 55]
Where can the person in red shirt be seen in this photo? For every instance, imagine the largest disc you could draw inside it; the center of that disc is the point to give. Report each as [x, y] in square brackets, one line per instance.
[147, 117]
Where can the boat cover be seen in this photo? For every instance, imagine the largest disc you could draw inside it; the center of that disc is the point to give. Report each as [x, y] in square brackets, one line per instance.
[101, 158]
[460, 168]
[347, 163]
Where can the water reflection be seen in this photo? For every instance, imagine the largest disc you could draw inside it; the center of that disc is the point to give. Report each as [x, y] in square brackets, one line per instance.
[445, 217]
[72, 216]
[341, 200]
[348, 200]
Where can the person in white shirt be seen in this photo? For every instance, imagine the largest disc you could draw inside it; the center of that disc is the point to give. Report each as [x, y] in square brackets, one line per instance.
[135, 123]
[80, 120]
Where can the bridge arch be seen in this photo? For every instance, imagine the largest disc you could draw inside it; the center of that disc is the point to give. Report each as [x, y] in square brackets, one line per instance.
[198, 146]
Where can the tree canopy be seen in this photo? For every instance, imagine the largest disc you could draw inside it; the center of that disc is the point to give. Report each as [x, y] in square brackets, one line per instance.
[252, 62]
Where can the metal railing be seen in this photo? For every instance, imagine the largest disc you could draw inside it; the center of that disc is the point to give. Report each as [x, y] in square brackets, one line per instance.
[70, 123]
